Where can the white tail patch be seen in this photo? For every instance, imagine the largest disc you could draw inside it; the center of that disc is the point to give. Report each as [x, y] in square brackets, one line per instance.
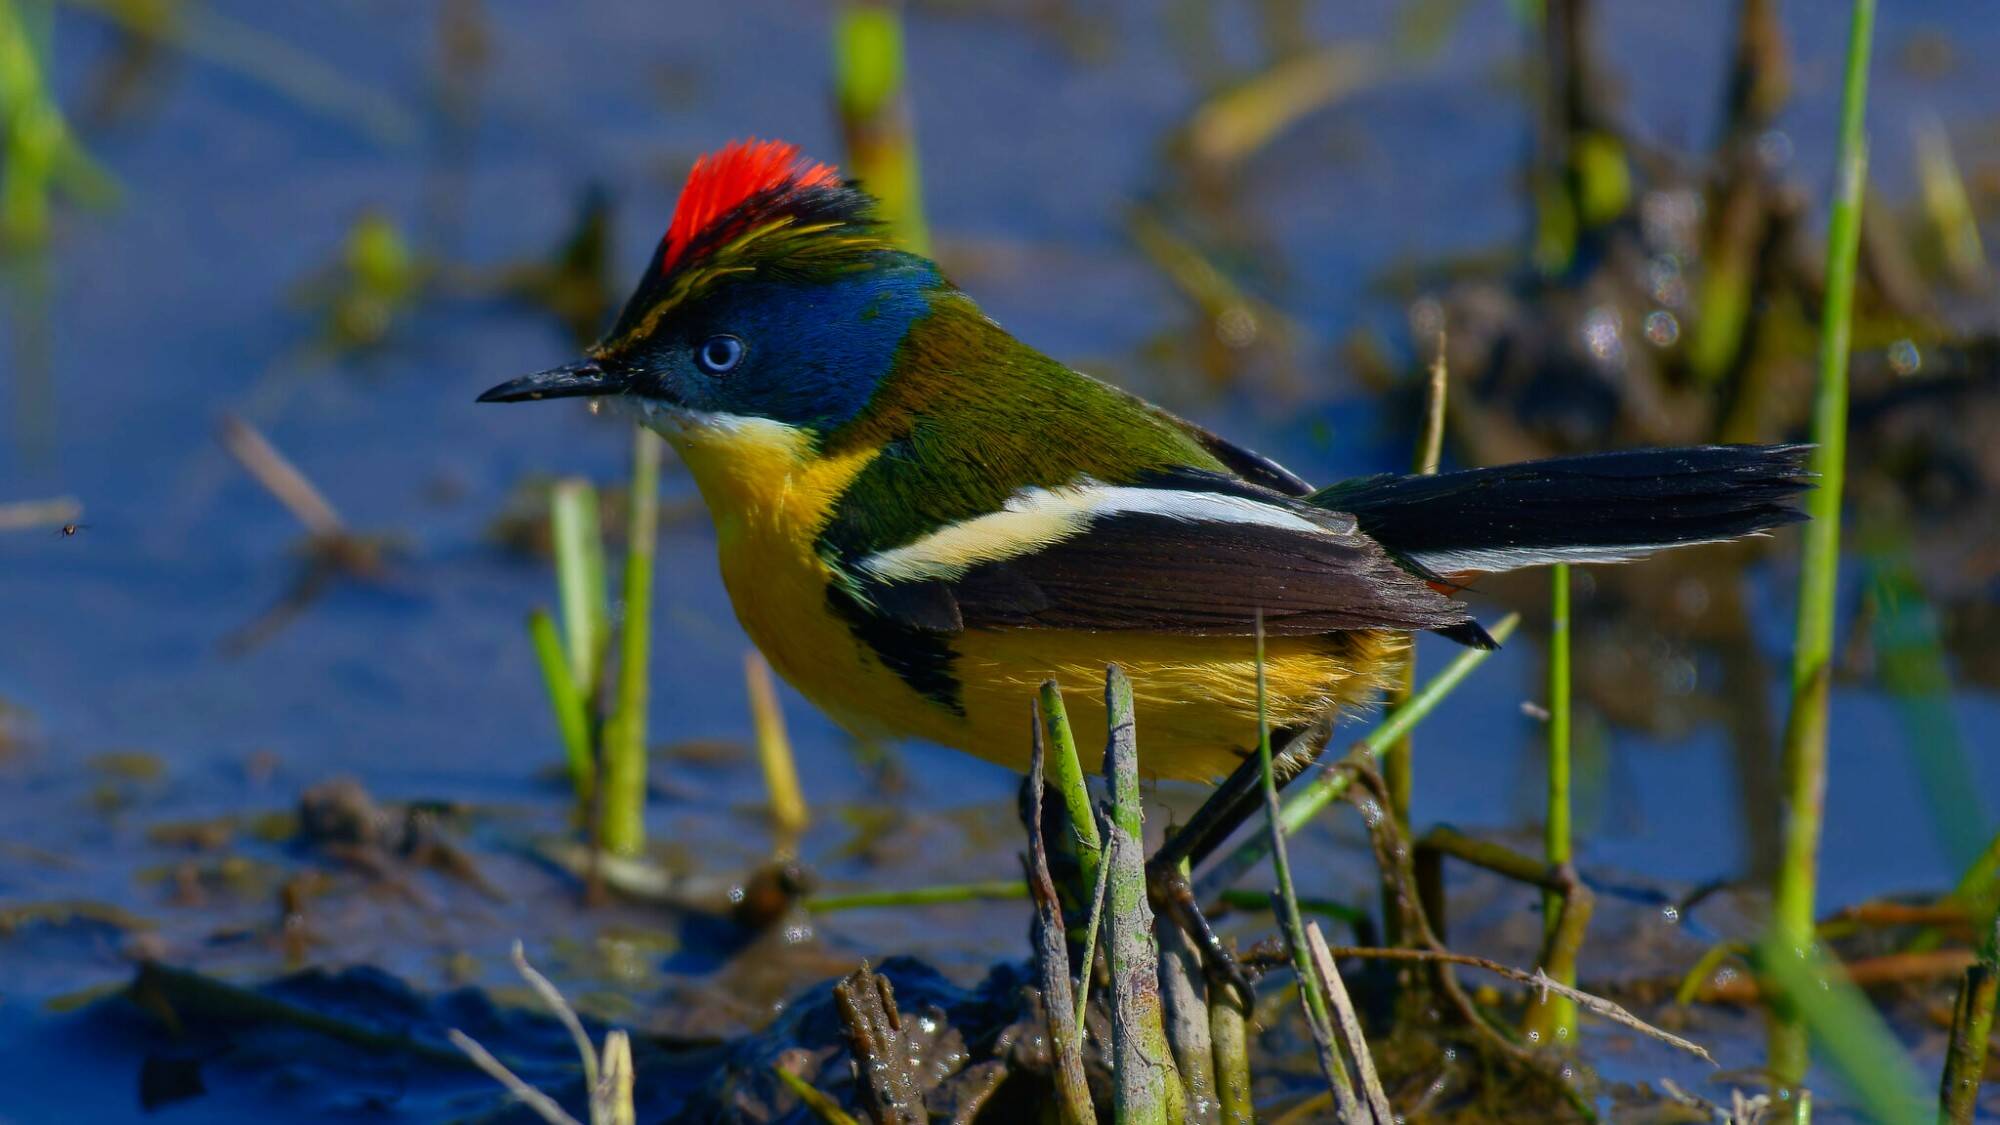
[1495, 560]
[1034, 518]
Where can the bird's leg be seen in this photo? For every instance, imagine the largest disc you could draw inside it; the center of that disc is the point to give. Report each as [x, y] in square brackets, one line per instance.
[1232, 803]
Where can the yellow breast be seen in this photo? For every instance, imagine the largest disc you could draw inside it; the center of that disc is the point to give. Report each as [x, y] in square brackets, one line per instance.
[771, 494]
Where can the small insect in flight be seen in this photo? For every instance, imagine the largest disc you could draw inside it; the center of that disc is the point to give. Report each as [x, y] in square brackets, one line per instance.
[69, 529]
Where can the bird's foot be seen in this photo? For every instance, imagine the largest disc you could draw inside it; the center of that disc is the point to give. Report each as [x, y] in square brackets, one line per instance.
[1168, 887]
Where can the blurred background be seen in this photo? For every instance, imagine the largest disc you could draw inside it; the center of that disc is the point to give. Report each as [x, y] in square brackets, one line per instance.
[311, 233]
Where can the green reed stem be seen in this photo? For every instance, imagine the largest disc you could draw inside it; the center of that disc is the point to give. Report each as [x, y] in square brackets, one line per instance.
[1555, 1015]
[624, 828]
[1806, 729]
[1285, 901]
[1065, 770]
[1397, 769]
[1230, 1036]
[572, 711]
[1309, 798]
[994, 890]
[578, 544]
[875, 114]
[1148, 1086]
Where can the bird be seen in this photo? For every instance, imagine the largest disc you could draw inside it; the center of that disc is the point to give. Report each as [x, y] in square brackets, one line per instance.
[920, 518]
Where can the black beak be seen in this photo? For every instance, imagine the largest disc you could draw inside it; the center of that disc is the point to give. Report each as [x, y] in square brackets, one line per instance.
[584, 377]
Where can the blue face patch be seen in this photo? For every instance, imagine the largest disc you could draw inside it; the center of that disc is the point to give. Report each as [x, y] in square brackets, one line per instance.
[811, 352]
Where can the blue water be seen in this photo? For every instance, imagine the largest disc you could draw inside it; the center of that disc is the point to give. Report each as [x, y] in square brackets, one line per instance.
[174, 306]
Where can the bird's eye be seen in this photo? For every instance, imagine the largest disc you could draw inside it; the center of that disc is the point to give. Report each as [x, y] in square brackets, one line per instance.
[719, 355]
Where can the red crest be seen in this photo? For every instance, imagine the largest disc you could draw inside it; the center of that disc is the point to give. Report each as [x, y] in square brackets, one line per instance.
[722, 181]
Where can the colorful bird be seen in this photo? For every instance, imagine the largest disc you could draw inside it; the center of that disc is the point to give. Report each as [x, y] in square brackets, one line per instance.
[921, 518]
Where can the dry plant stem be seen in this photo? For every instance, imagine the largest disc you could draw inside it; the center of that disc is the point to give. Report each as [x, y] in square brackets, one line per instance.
[552, 999]
[1971, 1029]
[774, 750]
[30, 515]
[1806, 729]
[1230, 1035]
[623, 793]
[1147, 1089]
[1319, 1020]
[1073, 1104]
[1538, 980]
[1430, 450]
[281, 479]
[1349, 1025]
[883, 1074]
[544, 1106]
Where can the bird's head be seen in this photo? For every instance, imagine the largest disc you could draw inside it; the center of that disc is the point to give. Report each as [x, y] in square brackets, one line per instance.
[774, 296]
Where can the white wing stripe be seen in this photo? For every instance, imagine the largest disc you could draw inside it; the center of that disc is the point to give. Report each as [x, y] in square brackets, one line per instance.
[1034, 518]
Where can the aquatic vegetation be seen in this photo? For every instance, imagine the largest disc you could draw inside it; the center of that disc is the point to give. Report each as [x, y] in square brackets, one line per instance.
[1793, 909]
[605, 748]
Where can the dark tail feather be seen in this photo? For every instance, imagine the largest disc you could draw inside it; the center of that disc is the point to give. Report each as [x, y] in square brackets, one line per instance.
[1603, 507]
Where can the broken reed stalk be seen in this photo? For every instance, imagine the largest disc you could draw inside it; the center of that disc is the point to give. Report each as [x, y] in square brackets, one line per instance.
[884, 1073]
[1552, 1019]
[1806, 728]
[1073, 1103]
[624, 766]
[1285, 901]
[868, 77]
[1308, 798]
[1349, 1025]
[774, 752]
[1147, 1088]
[1971, 1029]
[1396, 765]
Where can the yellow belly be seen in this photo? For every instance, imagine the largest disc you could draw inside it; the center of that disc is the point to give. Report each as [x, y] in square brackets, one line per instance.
[1195, 697]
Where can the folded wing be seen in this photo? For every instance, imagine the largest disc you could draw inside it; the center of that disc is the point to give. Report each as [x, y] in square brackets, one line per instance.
[1195, 554]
